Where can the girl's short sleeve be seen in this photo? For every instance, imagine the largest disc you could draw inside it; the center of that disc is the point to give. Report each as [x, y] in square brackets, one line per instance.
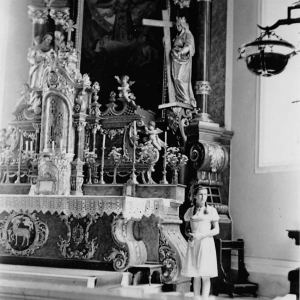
[188, 214]
[214, 214]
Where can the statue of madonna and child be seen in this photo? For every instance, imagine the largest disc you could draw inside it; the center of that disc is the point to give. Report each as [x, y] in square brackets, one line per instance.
[181, 62]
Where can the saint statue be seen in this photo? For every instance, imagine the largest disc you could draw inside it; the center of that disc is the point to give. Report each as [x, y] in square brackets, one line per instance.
[38, 56]
[181, 62]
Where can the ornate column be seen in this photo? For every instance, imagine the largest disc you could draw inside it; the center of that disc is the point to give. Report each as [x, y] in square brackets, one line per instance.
[201, 61]
[77, 165]
[38, 17]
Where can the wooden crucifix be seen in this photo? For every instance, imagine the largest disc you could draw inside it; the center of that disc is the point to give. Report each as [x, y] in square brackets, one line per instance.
[166, 24]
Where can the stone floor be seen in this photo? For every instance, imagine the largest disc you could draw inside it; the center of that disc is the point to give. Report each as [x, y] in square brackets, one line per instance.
[40, 285]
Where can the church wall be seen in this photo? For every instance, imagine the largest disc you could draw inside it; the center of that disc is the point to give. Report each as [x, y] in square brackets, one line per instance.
[262, 206]
[17, 37]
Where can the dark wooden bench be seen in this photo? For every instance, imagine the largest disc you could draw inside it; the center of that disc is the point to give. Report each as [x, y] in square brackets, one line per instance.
[227, 284]
[149, 268]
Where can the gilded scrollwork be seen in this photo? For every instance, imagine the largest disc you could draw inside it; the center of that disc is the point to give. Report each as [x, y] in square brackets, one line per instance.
[211, 157]
[22, 233]
[167, 257]
[119, 256]
[59, 82]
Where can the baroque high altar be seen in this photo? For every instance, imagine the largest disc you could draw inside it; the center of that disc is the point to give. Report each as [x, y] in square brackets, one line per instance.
[90, 171]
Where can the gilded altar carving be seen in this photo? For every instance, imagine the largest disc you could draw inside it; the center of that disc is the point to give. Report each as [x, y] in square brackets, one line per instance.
[202, 88]
[38, 15]
[208, 156]
[60, 15]
[167, 257]
[120, 255]
[77, 245]
[129, 251]
[22, 233]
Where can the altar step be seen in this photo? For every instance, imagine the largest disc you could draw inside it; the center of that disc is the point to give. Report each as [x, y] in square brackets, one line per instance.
[71, 277]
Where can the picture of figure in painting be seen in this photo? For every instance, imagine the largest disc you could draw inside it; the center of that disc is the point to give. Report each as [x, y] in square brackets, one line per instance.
[121, 10]
[125, 47]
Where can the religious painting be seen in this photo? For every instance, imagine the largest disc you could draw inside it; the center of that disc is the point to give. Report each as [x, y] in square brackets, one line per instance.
[115, 43]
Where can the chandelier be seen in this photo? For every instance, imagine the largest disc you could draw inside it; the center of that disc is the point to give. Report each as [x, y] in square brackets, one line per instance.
[269, 54]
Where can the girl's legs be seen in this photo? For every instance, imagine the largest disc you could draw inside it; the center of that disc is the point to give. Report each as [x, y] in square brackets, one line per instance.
[197, 286]
[205, 287]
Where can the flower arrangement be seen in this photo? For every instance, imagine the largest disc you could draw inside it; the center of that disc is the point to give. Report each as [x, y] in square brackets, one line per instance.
[116, 158]
[148, 154]
[175, 160]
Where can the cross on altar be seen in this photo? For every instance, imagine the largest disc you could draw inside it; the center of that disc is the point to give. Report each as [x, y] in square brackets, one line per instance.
[166, 24]
[69, 27]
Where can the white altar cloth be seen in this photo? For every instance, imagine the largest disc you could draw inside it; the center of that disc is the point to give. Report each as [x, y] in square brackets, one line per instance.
[80, 206]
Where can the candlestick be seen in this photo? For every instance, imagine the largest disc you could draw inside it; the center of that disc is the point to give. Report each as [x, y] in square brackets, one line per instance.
[52, 146]
[26, 146]
[31, 146]
[133, 179]
[164, 179]
[20, 157]
[103, 143]
[102, 161]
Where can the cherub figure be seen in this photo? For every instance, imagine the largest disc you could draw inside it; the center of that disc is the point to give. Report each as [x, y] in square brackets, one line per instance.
[153, 133]
[124, 89]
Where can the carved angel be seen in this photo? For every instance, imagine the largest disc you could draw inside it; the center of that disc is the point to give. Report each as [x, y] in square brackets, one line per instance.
[124, 88]
[153, 133]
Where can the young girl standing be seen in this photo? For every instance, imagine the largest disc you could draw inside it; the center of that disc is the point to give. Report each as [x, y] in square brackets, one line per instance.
[201, 224]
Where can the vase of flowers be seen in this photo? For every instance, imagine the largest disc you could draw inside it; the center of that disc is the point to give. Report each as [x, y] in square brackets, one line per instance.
[175, 160]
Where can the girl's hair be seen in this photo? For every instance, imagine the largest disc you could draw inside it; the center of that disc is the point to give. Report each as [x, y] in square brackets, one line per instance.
[196, 190]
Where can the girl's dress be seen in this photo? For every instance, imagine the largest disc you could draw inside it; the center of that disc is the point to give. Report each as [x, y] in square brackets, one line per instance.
[201, 259]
